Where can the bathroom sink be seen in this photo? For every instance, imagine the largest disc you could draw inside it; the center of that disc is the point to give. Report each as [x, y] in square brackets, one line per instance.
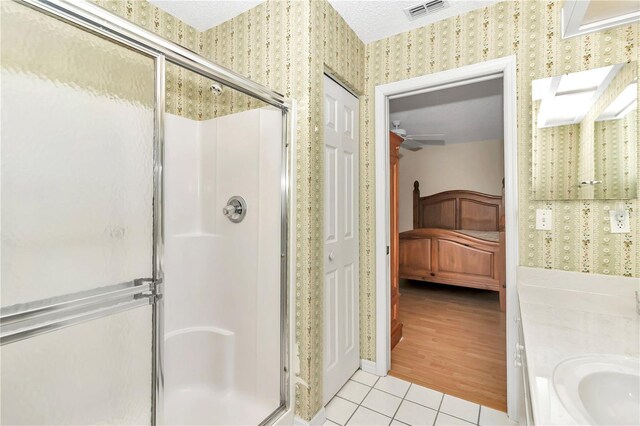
[600, 389]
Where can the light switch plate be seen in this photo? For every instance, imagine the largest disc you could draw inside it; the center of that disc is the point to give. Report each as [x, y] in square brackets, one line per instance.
[544, 219]
[621, 226]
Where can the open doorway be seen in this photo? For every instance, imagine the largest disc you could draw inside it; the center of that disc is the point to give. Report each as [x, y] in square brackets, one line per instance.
[502, 70]
[448, 328]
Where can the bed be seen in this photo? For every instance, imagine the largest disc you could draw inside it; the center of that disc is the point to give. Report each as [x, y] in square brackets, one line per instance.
[457, 239]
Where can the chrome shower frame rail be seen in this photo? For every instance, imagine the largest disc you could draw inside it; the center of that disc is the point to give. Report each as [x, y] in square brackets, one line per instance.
[97, 303]
[22, 321]
[98, 20]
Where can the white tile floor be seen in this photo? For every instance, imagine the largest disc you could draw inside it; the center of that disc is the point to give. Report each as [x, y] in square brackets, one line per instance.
[369, 400]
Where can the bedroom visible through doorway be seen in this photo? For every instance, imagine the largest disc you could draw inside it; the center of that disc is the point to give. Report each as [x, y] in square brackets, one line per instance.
[447, 241]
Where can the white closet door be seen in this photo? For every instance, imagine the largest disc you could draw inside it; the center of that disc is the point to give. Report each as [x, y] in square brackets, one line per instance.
[341, 269]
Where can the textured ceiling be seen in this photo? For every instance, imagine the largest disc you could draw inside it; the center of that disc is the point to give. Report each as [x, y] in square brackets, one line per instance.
[205, 14]
[377, 19]
[370, 19]
[468, 113]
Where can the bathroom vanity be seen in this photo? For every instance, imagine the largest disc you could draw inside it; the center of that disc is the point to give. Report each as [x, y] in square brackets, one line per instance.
[578, 348]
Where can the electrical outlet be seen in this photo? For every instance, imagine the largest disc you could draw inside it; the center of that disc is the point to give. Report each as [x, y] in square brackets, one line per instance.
[619, 220]
[544, 219]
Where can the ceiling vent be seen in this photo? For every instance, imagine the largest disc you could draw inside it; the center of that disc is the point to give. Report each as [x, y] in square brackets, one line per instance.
[422, 9]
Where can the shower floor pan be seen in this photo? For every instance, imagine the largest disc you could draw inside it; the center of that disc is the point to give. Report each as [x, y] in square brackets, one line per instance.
[200, 385]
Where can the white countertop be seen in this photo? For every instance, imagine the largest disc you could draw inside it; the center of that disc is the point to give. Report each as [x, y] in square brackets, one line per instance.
[565, 314]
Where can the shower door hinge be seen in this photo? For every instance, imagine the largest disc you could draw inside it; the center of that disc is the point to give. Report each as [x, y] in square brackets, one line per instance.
[154, 293]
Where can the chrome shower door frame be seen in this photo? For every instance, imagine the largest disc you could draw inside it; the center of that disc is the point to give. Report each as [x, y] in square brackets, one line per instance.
[98, 21]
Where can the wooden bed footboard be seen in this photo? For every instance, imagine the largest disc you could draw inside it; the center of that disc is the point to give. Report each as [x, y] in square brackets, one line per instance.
[439, 249]
[449, 257]
[441, 255]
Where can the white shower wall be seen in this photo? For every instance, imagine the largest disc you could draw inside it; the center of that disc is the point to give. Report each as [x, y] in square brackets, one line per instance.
[222, 292]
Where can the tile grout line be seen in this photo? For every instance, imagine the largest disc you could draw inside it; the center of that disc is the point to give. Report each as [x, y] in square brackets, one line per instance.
[351, 378]
[456, 417]
[401, 401]
[444, 393]
[439, 406]
[388, 393]
[360, 403]
[460, 418]
[344, 399]
[422, 405]
[365, 397]
[438, 411]
[379, 390]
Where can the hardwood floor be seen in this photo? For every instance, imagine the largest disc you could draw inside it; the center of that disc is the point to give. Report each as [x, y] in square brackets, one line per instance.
[454, 341]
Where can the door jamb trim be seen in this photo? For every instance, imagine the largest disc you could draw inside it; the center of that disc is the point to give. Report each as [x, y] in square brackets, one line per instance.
[506, 66]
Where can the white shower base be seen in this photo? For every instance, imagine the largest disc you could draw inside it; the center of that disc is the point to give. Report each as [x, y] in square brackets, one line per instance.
[199, 381]
[202, 405]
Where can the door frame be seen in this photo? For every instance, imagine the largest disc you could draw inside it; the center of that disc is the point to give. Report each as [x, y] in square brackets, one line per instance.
[503, 67]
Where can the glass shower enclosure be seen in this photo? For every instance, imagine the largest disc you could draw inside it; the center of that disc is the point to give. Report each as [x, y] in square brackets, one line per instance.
[145, 252]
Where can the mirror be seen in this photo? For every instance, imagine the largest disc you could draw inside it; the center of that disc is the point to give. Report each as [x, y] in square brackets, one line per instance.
[585, 134]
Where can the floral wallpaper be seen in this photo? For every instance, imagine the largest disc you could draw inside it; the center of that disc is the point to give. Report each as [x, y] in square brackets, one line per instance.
[184, 94]
[555, 158]
[616, 154]
[580, 240]
[623, 78]
[615, 163]
[288, 44]
[73, 57]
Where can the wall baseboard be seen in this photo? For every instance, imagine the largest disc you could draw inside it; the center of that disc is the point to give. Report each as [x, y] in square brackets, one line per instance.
[318, 420]
[369, 366]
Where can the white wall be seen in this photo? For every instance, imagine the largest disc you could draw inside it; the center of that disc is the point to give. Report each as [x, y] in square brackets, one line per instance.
[474, 166]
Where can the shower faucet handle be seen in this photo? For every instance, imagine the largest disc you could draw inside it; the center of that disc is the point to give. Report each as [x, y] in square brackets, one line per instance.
[229, 210]
[236, 209]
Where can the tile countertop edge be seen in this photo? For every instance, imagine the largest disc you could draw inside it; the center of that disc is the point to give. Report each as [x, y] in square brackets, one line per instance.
[559, 311]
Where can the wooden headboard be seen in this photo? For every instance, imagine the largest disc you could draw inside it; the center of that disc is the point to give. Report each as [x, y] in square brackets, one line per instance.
[458, 210]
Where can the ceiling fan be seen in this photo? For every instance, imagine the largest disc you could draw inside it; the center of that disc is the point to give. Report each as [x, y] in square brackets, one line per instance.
[416, 142]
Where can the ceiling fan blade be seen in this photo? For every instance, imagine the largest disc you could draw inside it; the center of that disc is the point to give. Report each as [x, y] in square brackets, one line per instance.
[440, 142]
[434, 139]
[427, 137]
[411, 145]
